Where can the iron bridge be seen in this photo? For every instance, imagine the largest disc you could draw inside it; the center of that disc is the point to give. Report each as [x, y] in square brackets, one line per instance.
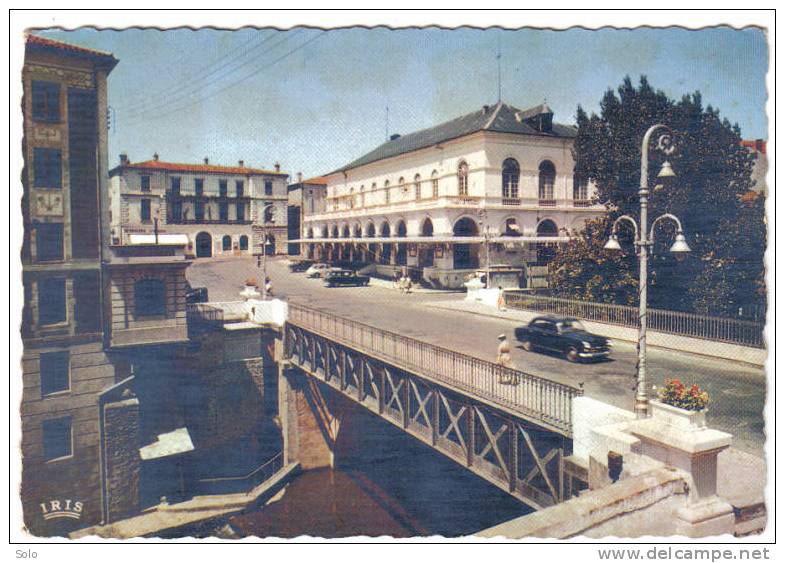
[514, 436]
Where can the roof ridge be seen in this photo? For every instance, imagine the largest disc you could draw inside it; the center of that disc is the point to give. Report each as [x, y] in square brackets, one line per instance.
[496, 110]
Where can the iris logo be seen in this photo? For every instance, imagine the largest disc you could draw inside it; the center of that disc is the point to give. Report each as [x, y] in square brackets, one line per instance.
[61, 509]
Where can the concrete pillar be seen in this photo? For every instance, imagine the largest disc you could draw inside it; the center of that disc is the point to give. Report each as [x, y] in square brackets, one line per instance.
[121, 441]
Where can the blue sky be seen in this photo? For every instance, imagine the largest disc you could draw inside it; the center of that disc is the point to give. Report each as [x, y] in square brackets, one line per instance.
[314, 100]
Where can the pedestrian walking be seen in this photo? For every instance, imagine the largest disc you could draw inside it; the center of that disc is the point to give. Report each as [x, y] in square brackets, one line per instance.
[500, 301]
[268, 287]
[503, 359]
[407, 284]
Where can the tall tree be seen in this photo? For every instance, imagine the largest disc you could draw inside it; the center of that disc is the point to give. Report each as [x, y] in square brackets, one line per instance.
[726, 233]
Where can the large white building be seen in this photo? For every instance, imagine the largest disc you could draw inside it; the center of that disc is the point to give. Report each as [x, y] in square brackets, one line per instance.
[224, 210]
[495, 186]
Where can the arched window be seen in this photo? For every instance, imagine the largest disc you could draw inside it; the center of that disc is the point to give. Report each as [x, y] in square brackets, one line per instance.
[351, 198]
[387, 191]
[269, 213]
[547, 179]
[580, 191]
[362, 196]
[402, 185]
[149, 297]
[226, 243]
[417, 187]
[434, 184]
[243, 242]
[427, 228]
[511, 172]
[463, 178]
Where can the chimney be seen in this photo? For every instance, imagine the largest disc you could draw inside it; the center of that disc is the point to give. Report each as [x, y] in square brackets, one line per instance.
[123, 159]
[241, 163]
[277, 166]
[155, 157]
[299, 177]
[485, 109]
[206, 160]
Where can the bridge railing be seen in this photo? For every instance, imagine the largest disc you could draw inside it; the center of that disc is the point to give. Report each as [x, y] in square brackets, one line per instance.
[721, 329]
[533, 397]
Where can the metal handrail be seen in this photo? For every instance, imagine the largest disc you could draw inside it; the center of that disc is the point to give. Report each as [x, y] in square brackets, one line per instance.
[532, 397]
[722, 329]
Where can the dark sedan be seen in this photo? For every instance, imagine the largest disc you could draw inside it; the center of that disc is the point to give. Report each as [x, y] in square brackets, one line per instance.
[344, 277]
[564, 335]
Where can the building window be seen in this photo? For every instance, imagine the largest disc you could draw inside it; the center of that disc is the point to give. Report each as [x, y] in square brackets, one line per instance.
[223, 190]
[351, 198]
[57, 438]
[463, 179]
[241, 212]
[47, 168]
[435, 184]
[387, 191]
[402, 185]
[51, 301]
[54, 369]
[226, 243]
[362, 196]
[223, 211]
[417, 187]
[268, 187]
[46, 101]
[145, 183]
[177, 211]
[547, 179]
[510, 174]
[49, 242]
[145, 212]
[199, 186]
[580, 189]
[199, 211]
[239, 188]
[269, 212]
[175, 183]
[243, 242]
[149, 297]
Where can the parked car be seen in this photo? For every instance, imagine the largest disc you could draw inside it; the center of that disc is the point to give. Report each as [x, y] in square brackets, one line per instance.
[316, 270]
[565, 335]
[300, 265]
[196, 295]
[345, 277]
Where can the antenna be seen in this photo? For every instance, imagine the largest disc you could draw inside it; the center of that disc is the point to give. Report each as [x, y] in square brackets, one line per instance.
[499, 63]
[386, 122]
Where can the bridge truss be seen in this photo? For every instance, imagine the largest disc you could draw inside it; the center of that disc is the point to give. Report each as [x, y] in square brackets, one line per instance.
[523, 457]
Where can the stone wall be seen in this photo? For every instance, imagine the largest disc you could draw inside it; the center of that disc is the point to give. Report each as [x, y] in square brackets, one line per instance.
[121, 454]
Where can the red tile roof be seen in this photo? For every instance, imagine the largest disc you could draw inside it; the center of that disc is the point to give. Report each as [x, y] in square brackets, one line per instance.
[46, 43]
[317, 180]
[758, 145]
[196, 168]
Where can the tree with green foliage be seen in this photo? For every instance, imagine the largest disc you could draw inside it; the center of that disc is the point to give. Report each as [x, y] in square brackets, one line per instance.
[724, 226]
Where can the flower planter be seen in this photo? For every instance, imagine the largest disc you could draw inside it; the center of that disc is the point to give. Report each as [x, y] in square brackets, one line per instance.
[678, 418]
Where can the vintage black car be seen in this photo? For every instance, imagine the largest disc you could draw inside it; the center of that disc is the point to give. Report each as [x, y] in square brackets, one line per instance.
[196, 295]
[300, 265]
[344, 277]
[565, 335]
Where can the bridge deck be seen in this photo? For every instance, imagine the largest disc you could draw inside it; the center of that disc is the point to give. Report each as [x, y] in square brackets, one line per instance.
[535, 399]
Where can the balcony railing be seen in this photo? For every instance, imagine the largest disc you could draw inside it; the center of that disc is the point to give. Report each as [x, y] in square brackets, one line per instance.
[547, 202]
[181, 221]
[582, 203]
[512, 201]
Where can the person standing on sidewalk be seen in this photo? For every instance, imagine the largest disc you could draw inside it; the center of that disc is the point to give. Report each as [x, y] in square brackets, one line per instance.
[500, 301]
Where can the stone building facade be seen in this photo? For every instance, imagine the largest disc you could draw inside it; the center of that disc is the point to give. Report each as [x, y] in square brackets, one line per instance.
[223, 210]
[492, 186]
[306, 197]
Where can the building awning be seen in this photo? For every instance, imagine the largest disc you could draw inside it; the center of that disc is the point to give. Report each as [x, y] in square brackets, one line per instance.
[168, 444]
[162, 239]
[432, 240]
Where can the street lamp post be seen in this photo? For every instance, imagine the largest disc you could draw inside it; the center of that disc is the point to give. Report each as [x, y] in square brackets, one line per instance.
[643, 240]
[483, 214]
[264, 246]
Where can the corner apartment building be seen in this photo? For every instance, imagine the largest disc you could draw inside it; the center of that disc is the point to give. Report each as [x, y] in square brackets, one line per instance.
[495, 185]
[64, 364]
[102, 323]
[223, 210]
[306, 197]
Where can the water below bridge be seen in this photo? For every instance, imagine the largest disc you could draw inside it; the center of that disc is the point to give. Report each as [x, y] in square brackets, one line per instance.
[398, 488]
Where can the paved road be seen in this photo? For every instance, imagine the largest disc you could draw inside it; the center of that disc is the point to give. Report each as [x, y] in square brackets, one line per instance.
[738, 392]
